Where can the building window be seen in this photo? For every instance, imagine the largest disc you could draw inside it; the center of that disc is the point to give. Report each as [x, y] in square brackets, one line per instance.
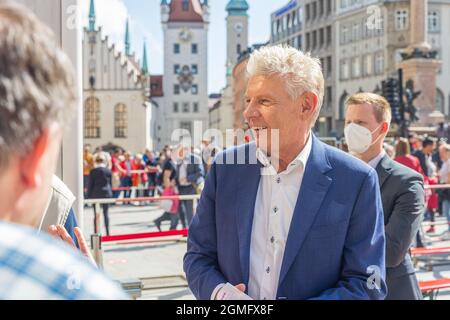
[176, 69]
[194, 89]
[308, 12]
[314, 10]
[329, 66]
[344, 35]
[176, 89]
[92, 118]
[176, 48]
[308, 41]
[379, 63]
[321, 7]
[344, 69]
[433, 21]
[329, 97]
[356, 67]
[194, 69]
[401, 20]
[238, 49]
[194, 48]
[120, 121]
[342, 105]
[368, 68]
[186, 107]
[195, 105]
[186, 126]
[185, 5]
[176, 107]
[329, 7]
[329, 36]
[355, 32]
[314, 39]
[299, 42]
[321, 37]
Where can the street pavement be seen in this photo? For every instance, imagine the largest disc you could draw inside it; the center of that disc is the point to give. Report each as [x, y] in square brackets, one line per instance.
[160, 264]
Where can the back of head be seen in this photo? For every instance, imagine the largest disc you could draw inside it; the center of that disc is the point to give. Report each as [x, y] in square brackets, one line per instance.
[37, 99]
[37, 84]
[402, 148]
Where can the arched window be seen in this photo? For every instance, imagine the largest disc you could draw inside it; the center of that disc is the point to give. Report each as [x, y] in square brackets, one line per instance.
[92, 118]
[342, 105]
[401, 20]
[120, 121]
[440, 102]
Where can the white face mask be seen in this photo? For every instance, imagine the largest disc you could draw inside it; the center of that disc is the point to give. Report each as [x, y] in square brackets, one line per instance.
[359, 139]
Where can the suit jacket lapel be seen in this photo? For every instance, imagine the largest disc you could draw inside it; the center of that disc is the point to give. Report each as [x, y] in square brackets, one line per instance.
[383, 170]
[314, 188]
[245, 207]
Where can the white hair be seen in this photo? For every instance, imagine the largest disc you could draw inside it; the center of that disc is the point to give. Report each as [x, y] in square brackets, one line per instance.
[301, 72]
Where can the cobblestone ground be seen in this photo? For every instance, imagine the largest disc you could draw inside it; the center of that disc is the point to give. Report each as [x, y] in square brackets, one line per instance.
[159, 264]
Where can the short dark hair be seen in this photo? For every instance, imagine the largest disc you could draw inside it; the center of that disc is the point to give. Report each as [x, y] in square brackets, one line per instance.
[427, 142]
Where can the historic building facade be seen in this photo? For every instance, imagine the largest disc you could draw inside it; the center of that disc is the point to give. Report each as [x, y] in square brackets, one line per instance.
[117, 109]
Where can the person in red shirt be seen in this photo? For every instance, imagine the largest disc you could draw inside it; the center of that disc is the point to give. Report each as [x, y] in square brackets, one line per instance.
[403, 156]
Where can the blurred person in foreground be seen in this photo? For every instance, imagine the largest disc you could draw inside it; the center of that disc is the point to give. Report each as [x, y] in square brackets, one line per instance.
[303, 222]
[367, 122]
[37, 98]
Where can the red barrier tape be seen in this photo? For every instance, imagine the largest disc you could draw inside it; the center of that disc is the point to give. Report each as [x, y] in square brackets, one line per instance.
[148, 235]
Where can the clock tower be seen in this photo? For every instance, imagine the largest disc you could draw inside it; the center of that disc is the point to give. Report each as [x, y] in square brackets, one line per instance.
[237, 32]
[185, 26]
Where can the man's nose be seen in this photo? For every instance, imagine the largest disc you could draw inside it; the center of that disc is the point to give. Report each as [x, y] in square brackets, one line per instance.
[251, 112]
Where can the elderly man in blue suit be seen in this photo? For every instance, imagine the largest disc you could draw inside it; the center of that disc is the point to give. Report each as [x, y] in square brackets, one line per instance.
[292, 218]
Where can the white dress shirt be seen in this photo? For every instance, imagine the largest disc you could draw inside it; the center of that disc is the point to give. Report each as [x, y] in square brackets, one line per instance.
[275, 203]
[375, 161]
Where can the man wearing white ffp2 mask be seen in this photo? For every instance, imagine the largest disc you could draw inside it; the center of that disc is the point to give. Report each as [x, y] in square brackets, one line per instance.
[402, 192]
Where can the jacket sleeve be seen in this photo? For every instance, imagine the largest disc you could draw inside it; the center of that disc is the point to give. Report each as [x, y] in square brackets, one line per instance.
[405, 220]
[201, 261]
[363, 263]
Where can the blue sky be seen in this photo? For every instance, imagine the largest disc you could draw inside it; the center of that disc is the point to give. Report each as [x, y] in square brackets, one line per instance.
[145, 23]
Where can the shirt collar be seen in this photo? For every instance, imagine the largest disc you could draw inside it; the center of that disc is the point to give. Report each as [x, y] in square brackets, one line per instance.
[301, 159]
[375, 161]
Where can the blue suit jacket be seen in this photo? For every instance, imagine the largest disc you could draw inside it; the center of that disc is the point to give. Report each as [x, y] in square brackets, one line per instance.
[336, 234]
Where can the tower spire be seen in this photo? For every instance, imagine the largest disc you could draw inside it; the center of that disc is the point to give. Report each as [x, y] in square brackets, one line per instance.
[144, 60]
[92, 17]
[127, 40]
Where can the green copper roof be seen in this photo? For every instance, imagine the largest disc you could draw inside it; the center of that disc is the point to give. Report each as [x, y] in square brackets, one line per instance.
[144, 61]
[92, 16]
[127, 40]
[237, 7]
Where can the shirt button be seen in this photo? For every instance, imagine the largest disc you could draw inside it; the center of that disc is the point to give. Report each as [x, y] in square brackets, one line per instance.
[278, 180]
[272, 239]
[275, 210]
[268, 270]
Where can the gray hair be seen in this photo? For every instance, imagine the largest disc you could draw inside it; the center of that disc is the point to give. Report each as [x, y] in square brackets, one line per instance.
[37, 85]
[301, 72]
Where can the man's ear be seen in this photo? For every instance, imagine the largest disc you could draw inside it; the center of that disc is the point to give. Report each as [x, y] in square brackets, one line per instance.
[31, 161]
[309, 104]
[385, 127]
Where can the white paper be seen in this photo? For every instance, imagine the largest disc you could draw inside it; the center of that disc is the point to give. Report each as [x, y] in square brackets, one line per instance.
[230, 292]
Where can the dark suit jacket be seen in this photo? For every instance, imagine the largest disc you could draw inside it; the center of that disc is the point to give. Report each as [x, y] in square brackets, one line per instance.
[100, 186]
[194, 170]
[403, 197]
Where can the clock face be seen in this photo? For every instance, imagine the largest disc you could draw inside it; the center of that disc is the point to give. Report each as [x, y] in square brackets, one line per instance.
[239, 27]
[185, 35]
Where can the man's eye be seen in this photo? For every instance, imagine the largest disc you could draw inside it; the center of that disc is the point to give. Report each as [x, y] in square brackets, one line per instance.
[265, 102]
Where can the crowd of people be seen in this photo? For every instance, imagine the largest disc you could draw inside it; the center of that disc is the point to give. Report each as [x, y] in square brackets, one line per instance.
[175, 170]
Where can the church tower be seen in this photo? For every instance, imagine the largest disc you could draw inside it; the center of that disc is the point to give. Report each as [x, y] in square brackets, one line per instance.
[185, 25]
[237, 32]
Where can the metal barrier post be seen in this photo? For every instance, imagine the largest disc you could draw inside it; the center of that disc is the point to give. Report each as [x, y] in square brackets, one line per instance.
[97, 219]
[96, 245]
